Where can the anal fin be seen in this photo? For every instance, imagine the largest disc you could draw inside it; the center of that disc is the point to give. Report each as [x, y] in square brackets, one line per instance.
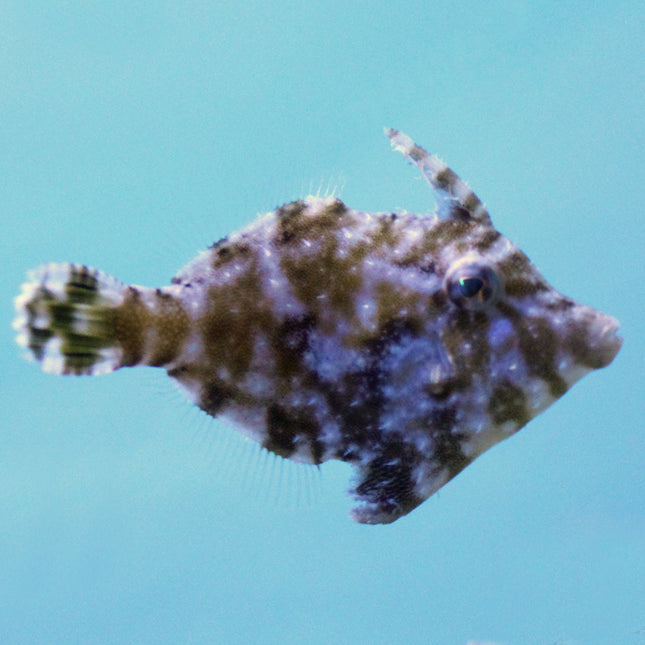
[386, 486]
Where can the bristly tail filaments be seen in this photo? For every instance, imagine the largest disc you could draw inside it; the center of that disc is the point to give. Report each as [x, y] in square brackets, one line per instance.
[65, 318]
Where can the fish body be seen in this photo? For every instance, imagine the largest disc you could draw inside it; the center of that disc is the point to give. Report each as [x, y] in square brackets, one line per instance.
[403, 344]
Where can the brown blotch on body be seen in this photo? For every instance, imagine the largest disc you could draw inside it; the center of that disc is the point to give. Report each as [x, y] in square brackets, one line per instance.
[215, 394]
[487, 239]
[171, 325]
[326, 283]
[508, 403]
[583, 349]
[519, 276]
[235, 315]
[385, 235]
[447, 441]
[396, 303]
[131, 319]
[296, 221]
[165, 325]
[443, 233]
[538, 344]
[321, 279]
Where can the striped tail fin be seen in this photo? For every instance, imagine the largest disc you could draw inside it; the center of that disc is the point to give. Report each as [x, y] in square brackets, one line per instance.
[65, 318]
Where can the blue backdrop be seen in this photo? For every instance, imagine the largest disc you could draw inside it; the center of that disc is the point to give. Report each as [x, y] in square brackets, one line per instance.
[133, 134]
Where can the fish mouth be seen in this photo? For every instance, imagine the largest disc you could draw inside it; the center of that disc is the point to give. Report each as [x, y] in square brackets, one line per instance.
[605, 340]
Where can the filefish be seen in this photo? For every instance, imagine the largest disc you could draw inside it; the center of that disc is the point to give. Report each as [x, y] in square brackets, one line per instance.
[403, 344]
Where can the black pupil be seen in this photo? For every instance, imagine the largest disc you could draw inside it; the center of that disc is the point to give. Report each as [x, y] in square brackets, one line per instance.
[470, 287]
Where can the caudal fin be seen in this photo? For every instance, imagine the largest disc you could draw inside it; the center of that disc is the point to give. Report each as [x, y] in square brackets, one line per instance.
[65, 318]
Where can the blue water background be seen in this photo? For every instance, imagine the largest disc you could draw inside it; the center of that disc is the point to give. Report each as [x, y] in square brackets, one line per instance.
[133, 134]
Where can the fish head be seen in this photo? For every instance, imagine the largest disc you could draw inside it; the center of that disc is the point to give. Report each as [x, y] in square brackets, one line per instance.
[515, 340]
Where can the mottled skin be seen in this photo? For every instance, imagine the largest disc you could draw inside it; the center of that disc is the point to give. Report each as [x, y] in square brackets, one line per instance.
[406, 345]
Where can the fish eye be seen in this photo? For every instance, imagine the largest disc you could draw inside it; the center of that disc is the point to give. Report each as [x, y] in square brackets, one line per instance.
[472, 286]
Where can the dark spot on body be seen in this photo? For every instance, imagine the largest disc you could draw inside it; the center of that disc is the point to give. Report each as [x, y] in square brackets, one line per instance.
[290, 342]
[177, 372]
[439, 299]
[188, 284]
[392, 332]
[357, 401]
[293, 333]
[447, 440]
[287, 427]
[229, 252]
[214, 396]
[223, 254]
[508, 403]
[289, 217]
[459, 213]
[357, 405]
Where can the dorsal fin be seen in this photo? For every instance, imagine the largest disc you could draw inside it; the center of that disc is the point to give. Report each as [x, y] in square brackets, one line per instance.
[455, 199]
